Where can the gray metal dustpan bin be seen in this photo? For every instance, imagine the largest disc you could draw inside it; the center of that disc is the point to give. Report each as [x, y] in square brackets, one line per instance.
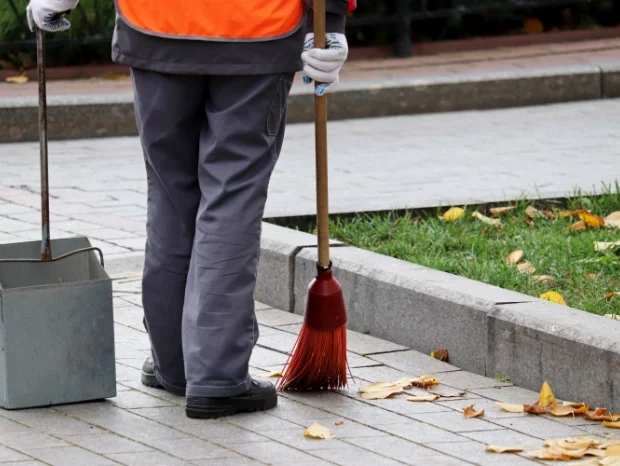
[57, 327]
[56, 313]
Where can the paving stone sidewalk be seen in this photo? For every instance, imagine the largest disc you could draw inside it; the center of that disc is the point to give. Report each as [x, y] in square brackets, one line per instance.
[98, 186]
[145, 426]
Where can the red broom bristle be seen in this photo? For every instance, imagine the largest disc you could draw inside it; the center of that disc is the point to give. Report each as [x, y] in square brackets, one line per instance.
[318, 361]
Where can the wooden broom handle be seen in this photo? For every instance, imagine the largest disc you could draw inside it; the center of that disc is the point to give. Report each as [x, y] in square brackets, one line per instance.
[320, 124]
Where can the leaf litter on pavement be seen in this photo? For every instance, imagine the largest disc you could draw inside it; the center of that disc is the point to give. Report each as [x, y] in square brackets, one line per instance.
[566, 449]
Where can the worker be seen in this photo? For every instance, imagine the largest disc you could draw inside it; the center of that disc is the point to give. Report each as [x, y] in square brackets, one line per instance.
[211, 80]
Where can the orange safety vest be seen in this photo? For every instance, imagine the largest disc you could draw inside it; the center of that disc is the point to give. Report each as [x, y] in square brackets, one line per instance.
[224, 20]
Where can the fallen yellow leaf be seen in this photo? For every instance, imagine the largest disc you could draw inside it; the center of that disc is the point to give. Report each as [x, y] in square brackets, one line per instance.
[602, 414]
[453, 214]
[318, 431]
[608, 443]
[549, 454]
[613, 316]
[526, 268]
[497, 211]
[591, 276]
[543, 278]
[565, 213]
[339, 423]
[579, 226]
[612, 294]
[602, 245]
[380, 390]
[574, 443]
[270, 374]
[502, 449]
[533, 212]
[546, 397]
[588, 462]
[610, 461]
[511, 408]
[514, 257]
[470, 412]
[420, 398]
[115, 77]
[17, 79]
[565, 410]
[591, 220]
[554, 297]
[485, 219]
[611, 424]
[613, 450]
[613, 220]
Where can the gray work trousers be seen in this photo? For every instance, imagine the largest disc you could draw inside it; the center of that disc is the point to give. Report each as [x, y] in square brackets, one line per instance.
[210, 146]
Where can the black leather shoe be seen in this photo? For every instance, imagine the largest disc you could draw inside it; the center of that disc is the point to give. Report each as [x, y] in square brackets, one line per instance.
[148, 374]
[149, 379]
[260, 397]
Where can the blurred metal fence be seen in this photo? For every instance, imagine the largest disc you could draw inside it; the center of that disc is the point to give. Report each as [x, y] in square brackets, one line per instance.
[404, 12]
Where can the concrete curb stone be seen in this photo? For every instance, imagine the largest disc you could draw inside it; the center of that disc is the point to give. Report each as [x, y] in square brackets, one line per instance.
[94, 115]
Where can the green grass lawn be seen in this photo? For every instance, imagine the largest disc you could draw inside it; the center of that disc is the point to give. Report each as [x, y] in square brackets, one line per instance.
[471, 248]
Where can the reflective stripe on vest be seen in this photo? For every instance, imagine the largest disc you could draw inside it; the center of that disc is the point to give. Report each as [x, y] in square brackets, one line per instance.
[225, 20]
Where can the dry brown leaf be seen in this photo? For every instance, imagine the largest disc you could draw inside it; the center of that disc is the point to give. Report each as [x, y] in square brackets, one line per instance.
[319, 432]
[511, 408]
[591, 220]
[529, 221]
[543, 278]
[612, 294]
[453, 214]
[550, 215]
[514, 257]
[17, 79]
[339, 423]
[526, 268]
[470, 412]
[534, 408]
[270, 374]
[533, 212]
[440, 354]
[603, 245]
[579, 226]
[485, 219]
[613, 220]
[420, 398]
[497, 211]
[424, 381]
[612, 424]
[554, 297]
[502, 449]
[602, 414]
[546, 397]
[380, 390]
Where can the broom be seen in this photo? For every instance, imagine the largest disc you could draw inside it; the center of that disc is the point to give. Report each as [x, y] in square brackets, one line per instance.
[319, 357]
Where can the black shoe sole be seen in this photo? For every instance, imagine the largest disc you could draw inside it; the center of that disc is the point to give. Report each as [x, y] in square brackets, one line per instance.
[231, 408]
[150, 381]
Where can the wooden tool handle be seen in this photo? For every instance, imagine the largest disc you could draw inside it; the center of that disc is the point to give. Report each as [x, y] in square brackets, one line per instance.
[320, 124]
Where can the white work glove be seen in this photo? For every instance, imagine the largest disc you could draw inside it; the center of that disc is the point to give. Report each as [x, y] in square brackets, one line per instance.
[324, 65]
[49, 15]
